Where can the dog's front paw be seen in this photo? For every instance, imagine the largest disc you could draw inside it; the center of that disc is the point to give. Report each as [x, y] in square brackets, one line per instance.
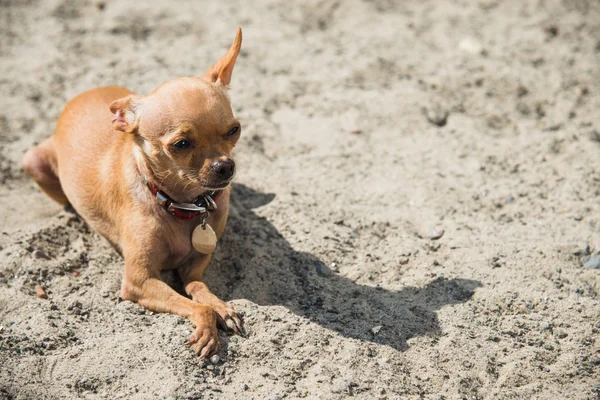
[229, 319]
[204, 341]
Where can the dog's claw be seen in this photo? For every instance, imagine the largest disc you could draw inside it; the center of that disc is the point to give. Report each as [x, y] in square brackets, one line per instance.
[229, 319]
[239, 324]
[231, 325]
[204, 341]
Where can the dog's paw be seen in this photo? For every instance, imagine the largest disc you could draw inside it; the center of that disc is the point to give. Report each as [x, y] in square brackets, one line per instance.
[204, 341]
[229, 319]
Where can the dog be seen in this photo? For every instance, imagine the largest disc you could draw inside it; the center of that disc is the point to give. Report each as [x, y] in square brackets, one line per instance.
[145, 172]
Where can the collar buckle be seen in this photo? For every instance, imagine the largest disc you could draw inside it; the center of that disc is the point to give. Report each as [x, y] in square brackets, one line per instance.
[162, 199]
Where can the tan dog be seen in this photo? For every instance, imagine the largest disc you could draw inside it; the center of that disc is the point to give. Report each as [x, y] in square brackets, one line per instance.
[126, 178]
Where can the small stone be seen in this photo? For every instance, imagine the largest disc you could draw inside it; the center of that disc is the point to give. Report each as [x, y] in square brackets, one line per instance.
[40, 292]
[323, 270]
[403, 260]
[215, 359]
[435, 233]
[551, 30]
[522, 91]
[495, 121]
[548, 347]
[561, 334]
[493, 338]
[593, 262]
[546, 326]
[376, 329]
[210, 367]
[437, 115]
[40, 255]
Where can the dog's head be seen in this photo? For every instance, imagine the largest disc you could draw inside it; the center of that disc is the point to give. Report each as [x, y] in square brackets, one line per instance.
[185, 129]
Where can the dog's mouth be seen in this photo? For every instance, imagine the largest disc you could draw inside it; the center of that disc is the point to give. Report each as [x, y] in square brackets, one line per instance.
[212, 188]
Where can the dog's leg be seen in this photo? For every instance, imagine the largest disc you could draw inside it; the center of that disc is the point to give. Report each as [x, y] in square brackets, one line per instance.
[142, 284]
[40, 163]
[191, 275]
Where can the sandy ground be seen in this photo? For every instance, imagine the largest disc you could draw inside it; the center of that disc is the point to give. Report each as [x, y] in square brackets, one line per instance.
[369, 128]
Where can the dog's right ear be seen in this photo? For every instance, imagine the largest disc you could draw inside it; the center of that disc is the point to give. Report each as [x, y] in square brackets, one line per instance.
[125, 114]
[220, 73]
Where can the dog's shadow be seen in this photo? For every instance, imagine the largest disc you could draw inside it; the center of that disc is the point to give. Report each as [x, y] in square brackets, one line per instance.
[256, 263]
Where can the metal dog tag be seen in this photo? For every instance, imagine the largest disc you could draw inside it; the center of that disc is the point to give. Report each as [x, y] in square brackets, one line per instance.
[204, 239]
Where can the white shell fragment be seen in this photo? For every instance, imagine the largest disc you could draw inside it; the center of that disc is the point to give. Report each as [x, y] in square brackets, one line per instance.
[204, 239]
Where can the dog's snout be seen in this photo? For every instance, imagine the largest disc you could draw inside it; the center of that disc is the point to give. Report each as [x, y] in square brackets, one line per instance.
[224, 169]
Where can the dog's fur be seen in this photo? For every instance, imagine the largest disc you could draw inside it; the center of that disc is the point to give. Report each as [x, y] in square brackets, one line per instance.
[98, 167]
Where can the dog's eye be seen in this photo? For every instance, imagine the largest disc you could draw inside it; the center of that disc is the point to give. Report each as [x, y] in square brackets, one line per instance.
[233, 131]
[182, 144]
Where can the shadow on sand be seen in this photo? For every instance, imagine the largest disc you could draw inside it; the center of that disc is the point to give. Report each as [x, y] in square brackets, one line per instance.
[255, 262]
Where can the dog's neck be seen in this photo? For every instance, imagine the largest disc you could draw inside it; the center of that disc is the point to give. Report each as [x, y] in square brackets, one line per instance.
[145, 183]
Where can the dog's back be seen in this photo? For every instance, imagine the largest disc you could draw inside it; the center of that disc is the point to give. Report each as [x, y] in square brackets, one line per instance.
[86, 166]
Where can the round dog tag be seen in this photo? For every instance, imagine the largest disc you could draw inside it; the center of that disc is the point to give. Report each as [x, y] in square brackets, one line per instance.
[204, 239]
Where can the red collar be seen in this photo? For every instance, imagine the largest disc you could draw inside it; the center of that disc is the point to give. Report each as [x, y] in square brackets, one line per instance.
[186, 211]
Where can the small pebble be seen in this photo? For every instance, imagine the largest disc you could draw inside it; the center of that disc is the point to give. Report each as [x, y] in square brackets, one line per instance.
[522, 91]
[435, 233]
[437, 115]
[593, 262]
[40, 255]
[548, 347]
[496, 121]
[551, 30]
[561, 334]
[493, 338]
[376, 329]
[40, 292]
[546, 326]
[215, 359]
[323, 269]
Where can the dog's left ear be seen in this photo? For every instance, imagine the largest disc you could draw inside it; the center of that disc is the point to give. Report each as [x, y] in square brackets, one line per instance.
[220, 73]
[125, 113]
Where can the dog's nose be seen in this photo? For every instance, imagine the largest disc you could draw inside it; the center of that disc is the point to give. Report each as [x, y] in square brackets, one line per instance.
[224, 169]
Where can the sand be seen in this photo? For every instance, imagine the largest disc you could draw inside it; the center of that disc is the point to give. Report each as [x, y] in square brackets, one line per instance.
[418, 188]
